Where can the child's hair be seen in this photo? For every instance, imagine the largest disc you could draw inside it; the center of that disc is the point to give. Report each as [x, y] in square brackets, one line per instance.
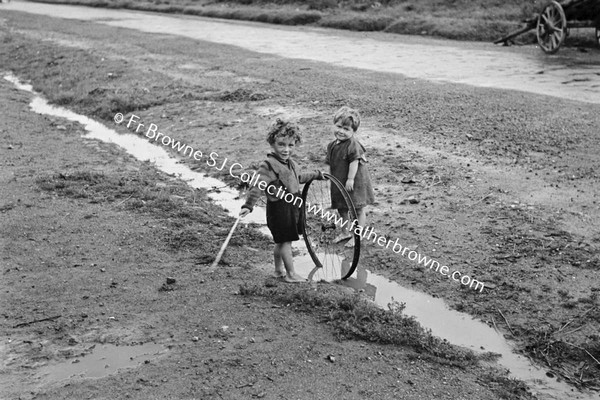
[281, 128]
[348, 116]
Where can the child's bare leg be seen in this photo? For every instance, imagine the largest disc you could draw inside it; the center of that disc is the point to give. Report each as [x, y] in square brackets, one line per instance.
[284, 251]
[279, 269]
[346, 231]
[361, 216]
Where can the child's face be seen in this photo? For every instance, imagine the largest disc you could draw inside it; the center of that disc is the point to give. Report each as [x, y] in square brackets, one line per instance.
[283, 147]
[342, 131]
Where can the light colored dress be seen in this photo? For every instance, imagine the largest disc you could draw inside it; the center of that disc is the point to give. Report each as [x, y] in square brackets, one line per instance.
[339, 157]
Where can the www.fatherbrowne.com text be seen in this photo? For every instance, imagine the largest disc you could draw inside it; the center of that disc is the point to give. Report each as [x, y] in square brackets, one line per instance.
[235, 170]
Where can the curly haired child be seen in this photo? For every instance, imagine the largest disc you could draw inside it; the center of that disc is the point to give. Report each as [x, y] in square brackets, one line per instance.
[280, 180]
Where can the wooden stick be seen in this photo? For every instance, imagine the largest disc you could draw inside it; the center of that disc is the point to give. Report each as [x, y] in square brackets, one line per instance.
[121, 202]
[505, 320]
[495, 327]
[218, 258]
[574, 330]
[530, 24]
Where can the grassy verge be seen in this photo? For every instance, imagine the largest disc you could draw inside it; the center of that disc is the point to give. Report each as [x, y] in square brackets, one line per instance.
[483, 20]
[352, 316]
[99, 95]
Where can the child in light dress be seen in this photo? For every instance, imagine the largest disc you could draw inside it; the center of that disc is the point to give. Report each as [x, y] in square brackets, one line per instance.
[347, 162]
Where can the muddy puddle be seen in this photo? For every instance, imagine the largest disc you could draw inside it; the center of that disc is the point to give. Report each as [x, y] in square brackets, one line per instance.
[102, 361]
[458, 328]
[569, 74]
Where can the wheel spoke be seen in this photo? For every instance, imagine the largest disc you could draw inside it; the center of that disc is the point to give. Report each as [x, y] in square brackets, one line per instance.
[544, 18]
[551, 27]
[554, 40]
[319, 233]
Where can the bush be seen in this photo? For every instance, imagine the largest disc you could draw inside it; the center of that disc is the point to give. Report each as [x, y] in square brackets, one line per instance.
[358, 22]
[320, 5]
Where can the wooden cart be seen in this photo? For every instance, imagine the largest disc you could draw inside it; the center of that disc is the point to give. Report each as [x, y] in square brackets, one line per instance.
[553, 22]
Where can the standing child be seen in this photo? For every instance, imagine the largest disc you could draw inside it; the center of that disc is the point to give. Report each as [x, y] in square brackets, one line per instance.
[347, 162]
[277, 176]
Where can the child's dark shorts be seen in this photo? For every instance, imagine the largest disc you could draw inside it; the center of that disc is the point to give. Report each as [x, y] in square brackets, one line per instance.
[283, 220]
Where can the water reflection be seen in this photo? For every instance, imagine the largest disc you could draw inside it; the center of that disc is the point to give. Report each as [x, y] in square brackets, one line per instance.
[104, 360]
[358, 281]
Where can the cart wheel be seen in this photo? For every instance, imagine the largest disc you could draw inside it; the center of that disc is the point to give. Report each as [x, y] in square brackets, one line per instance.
[551, 27]
[333, 261]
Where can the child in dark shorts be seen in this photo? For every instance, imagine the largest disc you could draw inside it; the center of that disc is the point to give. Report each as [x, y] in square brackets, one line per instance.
[278, 178]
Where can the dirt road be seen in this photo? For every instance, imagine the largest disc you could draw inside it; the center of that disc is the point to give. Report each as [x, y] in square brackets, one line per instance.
[506, 191]
[571, 74]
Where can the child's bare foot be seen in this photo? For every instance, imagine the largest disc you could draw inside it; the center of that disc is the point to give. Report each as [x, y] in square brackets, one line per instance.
[279, 273]
[341, 237]
[294, 278]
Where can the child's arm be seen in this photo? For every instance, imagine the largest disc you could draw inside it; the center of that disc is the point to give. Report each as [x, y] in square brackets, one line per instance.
[352, 169]
[355, 156]
[255, 192]
[251, 198]
[307, 176]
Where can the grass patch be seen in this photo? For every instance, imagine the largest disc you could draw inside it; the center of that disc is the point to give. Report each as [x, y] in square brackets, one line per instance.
[91, 84]
[352, 316]
[506, 388]
[452, 28]
[141, 191]
[354, 22]
[271, 16]
[190, 223]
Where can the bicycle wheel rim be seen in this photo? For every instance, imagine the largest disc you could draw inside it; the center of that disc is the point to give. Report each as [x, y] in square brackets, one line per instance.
[332, 260]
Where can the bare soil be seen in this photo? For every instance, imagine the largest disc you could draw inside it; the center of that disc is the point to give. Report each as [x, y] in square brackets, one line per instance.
[506, 187]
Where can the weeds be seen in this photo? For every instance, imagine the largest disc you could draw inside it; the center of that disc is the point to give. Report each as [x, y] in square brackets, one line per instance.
[578, 364]
[506, 388]
[240, 95]
[358, 22]
[134, 191]
[355, 317]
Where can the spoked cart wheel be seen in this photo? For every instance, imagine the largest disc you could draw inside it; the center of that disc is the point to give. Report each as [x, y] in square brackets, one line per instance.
[551, 27]
[332, 261]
